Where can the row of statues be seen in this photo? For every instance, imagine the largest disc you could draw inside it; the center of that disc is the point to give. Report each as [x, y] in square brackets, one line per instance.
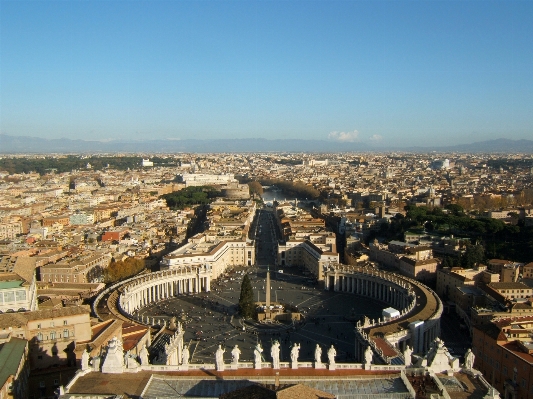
[274, 353]
[116, 360]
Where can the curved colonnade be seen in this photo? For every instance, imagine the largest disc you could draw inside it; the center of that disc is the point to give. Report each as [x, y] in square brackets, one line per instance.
[417, 326]
[158, 286]
[419, 307]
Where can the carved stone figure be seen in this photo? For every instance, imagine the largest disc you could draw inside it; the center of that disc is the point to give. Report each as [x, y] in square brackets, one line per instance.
[469, 359]
[84, 360]
[407, 355]
[318, 354]
[96, 363]
[172, 324]
[130, 361]
[185, 355]
[143, 356]
[274, 352]
[235, 353]
[331, 355]
[295, 352]
[219, 358]
[368, 355]
[257, 355]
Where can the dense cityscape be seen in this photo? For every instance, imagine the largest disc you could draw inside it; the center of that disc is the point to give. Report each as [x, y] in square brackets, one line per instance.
[120, 274]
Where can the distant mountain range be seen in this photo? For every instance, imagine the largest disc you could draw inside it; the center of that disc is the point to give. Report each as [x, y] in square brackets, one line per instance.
[26, 144]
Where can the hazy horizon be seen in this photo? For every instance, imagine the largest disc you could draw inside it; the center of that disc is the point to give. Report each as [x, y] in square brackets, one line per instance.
[383, 73]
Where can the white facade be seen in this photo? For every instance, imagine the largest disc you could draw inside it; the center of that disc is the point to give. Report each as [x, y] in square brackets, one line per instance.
[201, 179]
[218, 255]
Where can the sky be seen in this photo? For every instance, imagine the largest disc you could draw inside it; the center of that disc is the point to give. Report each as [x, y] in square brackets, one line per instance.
[376, 72]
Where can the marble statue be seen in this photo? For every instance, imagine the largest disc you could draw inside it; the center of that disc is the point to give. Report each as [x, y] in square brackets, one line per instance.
[235, 353]
[219, 358]
[469, 359]
[257, 355]
[407, 355]
[274, 352]
[295, 352]
[143, 356]
[331, 354]
[172, 324]
[130, 361]
[368, 355]
[185, 355]
[96, 363]
[318, 354]
[84, 360]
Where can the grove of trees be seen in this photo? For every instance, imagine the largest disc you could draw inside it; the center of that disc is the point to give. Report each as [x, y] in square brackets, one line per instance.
[201, 195]
[71, 162]
[119, 270]
[498, 239]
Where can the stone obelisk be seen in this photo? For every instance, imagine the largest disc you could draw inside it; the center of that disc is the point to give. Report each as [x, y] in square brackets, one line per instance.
[268, 290]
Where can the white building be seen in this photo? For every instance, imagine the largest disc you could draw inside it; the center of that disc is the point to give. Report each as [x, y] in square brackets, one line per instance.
[201, 179]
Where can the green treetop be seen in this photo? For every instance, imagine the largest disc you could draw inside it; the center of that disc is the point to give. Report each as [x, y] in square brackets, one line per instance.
[246, 300]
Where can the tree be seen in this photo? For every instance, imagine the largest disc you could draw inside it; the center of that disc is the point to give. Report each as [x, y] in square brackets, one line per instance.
[255, 187]
[246, 300]
[473, 255]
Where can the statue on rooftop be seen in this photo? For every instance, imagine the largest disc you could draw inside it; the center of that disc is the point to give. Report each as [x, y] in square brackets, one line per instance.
[185, 355]
[469, 359]
[143, 356]
[85, 360]
[219, 358]
[274, 352]
[407, 355]
[295, 352]
[235, 354]
[257, 355]
[318, 354]
[368, 355]
[331, 355]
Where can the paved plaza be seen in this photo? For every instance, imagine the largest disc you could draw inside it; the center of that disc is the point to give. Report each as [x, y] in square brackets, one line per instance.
[211, 318]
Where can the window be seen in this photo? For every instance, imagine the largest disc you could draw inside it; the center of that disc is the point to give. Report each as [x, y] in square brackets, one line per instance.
[42, 384]
[65, 333]
[53, 335]
[39, 325]
[39, 337]
[51, 324]
[65, 322]
[56, 382]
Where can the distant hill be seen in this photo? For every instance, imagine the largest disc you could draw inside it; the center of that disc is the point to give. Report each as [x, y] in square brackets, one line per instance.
[494, 146]
[26, 144]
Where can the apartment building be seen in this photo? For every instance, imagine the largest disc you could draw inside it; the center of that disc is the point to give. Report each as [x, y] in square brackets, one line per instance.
[52, 334]
[82, 269]
[504, 354]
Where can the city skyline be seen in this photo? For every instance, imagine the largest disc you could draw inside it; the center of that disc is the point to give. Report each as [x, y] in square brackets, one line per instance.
[378, 73]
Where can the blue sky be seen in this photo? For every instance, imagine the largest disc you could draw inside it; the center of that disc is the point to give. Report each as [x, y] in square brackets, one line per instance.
[382, 72]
